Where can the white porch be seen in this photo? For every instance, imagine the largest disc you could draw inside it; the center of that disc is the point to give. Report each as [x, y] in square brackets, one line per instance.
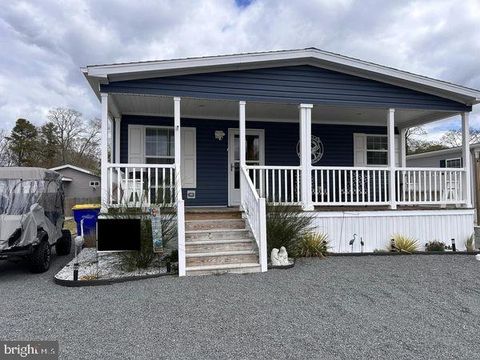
[305, 185]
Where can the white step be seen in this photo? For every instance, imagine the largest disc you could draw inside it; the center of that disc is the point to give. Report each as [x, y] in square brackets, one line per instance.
[223, 269]
[224, 224]
[217, 234]
[219, 245]
[221, 257]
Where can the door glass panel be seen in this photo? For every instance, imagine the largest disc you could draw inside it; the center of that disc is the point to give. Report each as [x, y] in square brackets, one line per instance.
[252, 149]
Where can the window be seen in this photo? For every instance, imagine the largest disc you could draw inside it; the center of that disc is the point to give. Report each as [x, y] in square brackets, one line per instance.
[94, 183]
[377, 150]
[159, 145]
[453, 163]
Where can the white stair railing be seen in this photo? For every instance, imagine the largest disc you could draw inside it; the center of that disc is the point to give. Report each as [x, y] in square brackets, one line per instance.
[255, 210]
[440, 186]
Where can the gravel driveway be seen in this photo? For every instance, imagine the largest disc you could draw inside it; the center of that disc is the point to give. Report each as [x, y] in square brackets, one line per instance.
[398, 307]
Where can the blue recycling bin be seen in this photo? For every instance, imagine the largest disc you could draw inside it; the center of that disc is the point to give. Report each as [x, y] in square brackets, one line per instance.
[89, 214]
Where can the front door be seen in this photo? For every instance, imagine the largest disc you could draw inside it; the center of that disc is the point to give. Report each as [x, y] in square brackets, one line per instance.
[255, 156]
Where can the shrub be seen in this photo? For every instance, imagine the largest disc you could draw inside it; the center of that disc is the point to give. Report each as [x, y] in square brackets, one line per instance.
[312, 245]
[470, 243]
[142, 259]
[402, 243]
[286, 226]
[435, 245]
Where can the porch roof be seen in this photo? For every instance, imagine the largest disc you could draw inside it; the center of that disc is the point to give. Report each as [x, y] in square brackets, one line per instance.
[103, 74]
[198, 108]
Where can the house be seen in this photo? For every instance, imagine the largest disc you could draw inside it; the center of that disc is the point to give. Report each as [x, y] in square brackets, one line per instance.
[81, 186]
[302, 127]
[453, 158]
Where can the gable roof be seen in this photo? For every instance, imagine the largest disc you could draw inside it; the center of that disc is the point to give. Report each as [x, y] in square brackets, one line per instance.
[68, 166]
[103, 74]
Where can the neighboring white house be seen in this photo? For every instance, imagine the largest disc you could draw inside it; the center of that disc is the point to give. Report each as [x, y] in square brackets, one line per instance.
[452, 158]
[302, 127]
[81, 186]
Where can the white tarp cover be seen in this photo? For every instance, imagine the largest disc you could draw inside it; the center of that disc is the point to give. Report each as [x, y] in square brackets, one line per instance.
[30, 199]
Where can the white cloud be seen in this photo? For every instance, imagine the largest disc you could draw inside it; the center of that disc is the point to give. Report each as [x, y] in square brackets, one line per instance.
[46, 42]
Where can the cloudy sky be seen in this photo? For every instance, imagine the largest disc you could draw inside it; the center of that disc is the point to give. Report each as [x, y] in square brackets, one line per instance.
[44, 43]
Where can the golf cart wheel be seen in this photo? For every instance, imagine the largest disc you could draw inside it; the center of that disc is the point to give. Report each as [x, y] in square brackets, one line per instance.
[64, 244]
[41, 257]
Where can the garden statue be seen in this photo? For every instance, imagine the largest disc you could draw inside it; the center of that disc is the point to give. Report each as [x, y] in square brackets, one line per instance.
[283, 256]
[274, 257]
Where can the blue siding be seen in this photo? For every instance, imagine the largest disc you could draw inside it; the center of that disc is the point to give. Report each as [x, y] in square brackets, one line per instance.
[291, 84]
[280, 149]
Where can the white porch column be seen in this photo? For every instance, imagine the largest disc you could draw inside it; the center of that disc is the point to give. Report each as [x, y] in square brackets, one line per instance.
[104, 153]
[391, 157]
[403, 148]
[118, 121]
[178, 146]
[306, 155]
[178, 189]
[242, 142]
[466, 158]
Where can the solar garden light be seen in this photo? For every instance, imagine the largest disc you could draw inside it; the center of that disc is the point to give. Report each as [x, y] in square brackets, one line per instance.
[453, 245]
[78, 243]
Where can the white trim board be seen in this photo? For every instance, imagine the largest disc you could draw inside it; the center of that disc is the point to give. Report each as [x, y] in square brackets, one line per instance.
[68, 166]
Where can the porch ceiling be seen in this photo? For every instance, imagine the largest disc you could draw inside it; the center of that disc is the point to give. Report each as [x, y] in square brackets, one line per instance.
[261, 111]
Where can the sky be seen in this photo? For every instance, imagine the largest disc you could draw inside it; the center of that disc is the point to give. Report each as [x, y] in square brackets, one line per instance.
[45, 42]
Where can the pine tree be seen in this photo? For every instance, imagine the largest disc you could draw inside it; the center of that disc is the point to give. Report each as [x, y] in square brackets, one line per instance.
[23, 143]
[49, 145]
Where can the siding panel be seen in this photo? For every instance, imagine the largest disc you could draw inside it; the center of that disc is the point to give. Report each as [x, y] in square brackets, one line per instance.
[291, 84]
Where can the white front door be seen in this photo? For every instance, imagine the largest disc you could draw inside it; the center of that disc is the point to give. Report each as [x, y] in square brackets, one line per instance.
[255, 155]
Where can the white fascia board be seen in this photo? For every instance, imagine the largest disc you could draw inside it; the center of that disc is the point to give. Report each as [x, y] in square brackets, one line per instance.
[72, 167]
[234, 61]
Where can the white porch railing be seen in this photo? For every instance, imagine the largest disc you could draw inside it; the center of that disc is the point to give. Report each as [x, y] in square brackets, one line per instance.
[141, 184]
[255, 211]
[277, 184]
[349, 185]
[430, 186]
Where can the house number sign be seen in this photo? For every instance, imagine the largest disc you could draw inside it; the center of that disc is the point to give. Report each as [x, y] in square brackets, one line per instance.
[317, 149]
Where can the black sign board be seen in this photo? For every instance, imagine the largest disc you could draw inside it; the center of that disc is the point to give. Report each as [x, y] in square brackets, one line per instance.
[116, 234]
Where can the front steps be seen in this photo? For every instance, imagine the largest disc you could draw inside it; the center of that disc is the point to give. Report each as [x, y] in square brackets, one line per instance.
[218, 242]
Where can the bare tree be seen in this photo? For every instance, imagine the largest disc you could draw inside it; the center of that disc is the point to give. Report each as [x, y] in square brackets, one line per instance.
[413, 138]
[78, 140]
[69, 126]
[453, 137]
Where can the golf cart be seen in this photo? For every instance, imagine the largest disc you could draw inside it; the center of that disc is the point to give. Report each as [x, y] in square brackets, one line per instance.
[32, 216]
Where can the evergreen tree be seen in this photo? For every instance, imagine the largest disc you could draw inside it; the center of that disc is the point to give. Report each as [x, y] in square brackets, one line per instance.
[23, 143]
[49, 145]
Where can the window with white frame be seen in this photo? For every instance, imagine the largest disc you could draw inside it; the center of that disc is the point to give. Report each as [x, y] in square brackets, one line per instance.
[377, 150]
[159, 145]
[94, 183]
[453, 163]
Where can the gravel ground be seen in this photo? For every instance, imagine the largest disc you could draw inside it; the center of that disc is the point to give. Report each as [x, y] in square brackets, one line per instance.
[396, 307]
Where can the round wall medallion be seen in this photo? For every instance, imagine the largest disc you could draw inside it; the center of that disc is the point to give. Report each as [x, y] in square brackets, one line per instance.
[317, 149]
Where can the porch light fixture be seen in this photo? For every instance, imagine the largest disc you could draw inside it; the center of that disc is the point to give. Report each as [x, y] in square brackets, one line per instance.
[219, 135]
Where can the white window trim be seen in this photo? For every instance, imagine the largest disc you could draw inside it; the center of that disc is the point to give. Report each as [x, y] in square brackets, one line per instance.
[453, 159]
